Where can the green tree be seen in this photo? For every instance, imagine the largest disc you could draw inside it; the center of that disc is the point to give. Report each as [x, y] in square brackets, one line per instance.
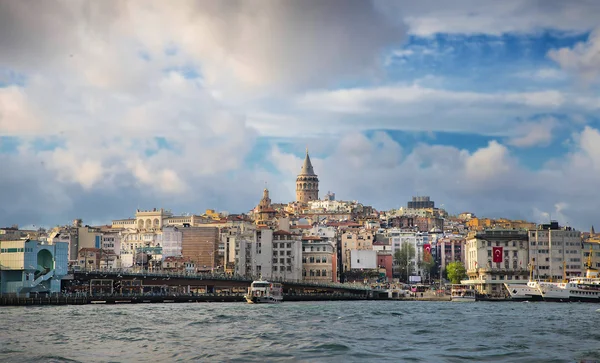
[402, 258]
[456, 271]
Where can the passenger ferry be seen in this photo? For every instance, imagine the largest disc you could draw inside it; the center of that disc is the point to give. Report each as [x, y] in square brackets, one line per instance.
[264, 292]
[529, 291]
[580, 289]
[524, 292]
[462, 293]
[555, 291]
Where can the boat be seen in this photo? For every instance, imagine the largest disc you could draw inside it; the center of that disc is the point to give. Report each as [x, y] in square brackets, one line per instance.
[579, 289]
[462, 293]
[264, 292]
[529, 291]
[555, 291]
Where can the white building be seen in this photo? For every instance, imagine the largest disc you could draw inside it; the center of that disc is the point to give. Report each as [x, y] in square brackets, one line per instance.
[551, 247]
[171, 241]
[274, 255]
[363, 259]
[496, 256]
[400, 237]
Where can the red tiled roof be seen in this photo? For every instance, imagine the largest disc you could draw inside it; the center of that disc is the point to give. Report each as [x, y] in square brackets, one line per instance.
[282, 232]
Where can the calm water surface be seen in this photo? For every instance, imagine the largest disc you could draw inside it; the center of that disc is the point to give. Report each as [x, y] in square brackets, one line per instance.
[302, 332]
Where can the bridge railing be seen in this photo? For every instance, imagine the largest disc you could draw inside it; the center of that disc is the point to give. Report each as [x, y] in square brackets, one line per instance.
[218, 276]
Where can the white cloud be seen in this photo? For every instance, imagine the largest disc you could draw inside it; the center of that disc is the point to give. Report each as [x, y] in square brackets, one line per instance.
[534, 133]
[583, 59]
[15, 116]
[96, 79]
[488, 181]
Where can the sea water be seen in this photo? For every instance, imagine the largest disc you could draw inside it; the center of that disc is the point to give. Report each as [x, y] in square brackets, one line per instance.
[352, 331]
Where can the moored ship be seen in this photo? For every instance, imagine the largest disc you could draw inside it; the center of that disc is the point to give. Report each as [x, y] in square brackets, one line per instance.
[462, 293]
[524, 292]
[264, 292]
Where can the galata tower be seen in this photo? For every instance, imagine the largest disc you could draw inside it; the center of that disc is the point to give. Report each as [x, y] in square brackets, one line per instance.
[307, 182]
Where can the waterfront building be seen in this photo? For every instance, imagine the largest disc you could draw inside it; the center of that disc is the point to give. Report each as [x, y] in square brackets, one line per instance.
[419, 240]
[270, 254]
[592, 245]
[551, 247]
[450, 249]
[307, 183]
[319, 259]
[496, 256]
[385, 264]
[201, 245]
[32, 266]
[171, 240]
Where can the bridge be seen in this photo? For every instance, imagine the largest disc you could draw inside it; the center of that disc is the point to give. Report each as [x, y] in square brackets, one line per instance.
[108, 282]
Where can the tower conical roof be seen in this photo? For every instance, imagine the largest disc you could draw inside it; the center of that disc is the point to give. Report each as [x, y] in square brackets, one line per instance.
[307, 168]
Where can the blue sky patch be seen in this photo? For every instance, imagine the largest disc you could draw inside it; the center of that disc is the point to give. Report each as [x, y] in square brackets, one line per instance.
[9, 144]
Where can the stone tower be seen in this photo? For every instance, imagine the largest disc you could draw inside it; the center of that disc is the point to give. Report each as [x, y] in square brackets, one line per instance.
[307, 182]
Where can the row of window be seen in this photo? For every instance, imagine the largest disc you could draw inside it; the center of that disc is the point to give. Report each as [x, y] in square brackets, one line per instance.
[282, 260]
[313, 273]
[14, 250]
[315, 259]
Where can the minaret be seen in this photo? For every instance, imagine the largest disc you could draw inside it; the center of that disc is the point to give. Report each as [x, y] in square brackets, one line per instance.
[307, 182]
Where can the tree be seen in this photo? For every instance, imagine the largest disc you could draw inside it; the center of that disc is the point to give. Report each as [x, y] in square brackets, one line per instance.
[456, 271]
[402, 258]
[428, 264]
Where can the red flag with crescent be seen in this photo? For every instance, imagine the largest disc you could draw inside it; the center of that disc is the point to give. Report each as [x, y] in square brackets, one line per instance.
[497, 252]
[427, 247]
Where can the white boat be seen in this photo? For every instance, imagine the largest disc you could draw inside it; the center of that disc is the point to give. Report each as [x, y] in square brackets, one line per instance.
[264, 292]
[529, 291]
[554, 291]
[581, 289]
[462, 293]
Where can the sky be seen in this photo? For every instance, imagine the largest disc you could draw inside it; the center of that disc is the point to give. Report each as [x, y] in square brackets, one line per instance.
[489, 107]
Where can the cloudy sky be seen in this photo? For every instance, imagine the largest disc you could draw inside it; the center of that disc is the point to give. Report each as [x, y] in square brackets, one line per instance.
[488, 107]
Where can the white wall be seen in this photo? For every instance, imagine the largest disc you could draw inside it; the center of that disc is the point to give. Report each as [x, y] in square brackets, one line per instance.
[365, 259]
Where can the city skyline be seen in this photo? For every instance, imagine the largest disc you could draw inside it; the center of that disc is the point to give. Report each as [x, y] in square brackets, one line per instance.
[488, 108]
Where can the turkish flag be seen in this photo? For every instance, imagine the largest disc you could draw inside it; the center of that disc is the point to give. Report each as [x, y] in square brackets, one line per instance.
[427, 247]
[497, 252]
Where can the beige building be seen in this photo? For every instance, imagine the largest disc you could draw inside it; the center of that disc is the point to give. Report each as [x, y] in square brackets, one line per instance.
[307, 183]
[264, 212]
[511, 249]
[355, 239]
[155, 219]
[318, 260]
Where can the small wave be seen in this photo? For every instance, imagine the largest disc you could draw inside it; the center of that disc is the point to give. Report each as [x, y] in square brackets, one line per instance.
[132, 330]
[330, 347]
[54, 359]
[423, 332]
